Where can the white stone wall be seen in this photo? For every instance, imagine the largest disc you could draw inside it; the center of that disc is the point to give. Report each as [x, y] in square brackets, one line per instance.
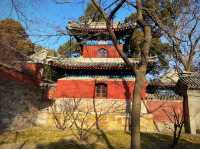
[194, 110]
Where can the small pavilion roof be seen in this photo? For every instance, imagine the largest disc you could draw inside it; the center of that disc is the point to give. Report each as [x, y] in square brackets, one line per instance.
[190, 80]
[169, 79]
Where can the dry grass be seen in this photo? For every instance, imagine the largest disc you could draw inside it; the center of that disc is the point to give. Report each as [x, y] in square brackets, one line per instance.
[56, 139]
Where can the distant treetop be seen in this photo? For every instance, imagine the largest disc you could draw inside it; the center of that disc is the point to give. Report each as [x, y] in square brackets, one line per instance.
[14, 41]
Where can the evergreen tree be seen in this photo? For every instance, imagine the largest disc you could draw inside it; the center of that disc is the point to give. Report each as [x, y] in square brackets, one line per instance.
[91, 13]
[14, 42]
[68, 47]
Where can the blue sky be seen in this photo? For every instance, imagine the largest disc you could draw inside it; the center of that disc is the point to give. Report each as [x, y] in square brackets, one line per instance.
[45, 17]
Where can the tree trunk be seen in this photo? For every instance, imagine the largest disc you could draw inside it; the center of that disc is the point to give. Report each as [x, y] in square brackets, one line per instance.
[190, 60]
[140, 72]
[139, 84]
[136, 108]
[186, 113]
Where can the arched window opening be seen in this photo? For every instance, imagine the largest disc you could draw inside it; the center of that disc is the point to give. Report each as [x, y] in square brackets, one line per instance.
[101, 90]
[102, 53]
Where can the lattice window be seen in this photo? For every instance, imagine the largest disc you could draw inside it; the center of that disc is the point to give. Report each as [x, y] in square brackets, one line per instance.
[102, 53]
[101, 90]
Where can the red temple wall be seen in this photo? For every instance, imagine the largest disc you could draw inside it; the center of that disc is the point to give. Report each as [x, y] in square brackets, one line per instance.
[90, 51]
[18, 76]
[116, 89]
[161, 110]
[32, 69]
[74, 89]
[164, 110]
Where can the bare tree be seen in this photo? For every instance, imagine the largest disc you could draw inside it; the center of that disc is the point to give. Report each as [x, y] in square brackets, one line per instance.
[139, 70]
[62, 114]
[182, 32]
[80, 116]
[189, 33]
[176, 117]
[144, 19]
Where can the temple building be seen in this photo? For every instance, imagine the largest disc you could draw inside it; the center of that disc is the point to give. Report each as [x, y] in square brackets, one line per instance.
[100, 80]
[99, 72]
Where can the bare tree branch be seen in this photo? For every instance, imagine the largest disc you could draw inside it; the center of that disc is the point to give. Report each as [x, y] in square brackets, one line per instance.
[114, 38]
[116, 9]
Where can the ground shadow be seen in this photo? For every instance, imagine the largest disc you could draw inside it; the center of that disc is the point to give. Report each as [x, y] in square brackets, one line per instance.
[19, 104]
[162, 141]
[102, 136]
[66, 144]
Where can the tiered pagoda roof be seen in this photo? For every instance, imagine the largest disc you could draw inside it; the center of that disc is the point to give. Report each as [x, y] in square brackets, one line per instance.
[98, 30]
[93, 65]
[89, 63]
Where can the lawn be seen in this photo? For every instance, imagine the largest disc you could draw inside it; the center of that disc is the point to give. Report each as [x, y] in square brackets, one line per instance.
[37, 138]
